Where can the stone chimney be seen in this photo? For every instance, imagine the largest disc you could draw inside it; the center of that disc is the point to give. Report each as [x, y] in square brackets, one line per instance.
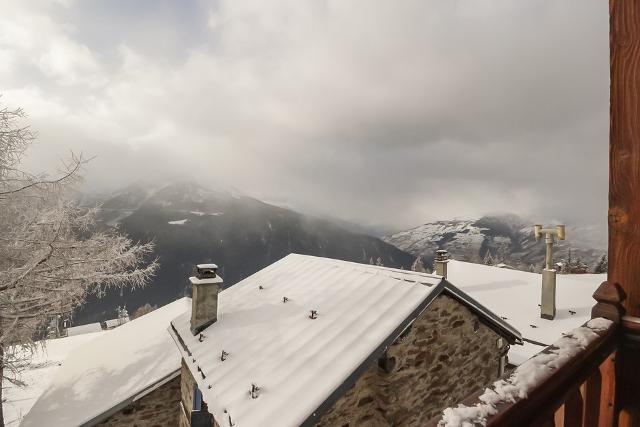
[441, 261]
[204, 300]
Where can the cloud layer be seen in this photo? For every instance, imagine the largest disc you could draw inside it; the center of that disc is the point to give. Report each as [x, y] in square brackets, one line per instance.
[382, 112]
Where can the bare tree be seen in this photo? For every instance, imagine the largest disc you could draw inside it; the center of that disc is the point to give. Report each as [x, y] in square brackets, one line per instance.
[52, 255]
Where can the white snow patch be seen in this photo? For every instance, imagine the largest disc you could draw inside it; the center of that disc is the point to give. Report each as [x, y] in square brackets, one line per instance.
[178, 222]
[525, 378]
[200, 213]
[599, 323]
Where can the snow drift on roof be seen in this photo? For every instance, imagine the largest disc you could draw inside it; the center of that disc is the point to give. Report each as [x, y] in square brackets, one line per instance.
[113, 369]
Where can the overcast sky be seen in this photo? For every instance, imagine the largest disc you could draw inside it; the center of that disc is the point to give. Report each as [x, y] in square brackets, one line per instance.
[383, 112]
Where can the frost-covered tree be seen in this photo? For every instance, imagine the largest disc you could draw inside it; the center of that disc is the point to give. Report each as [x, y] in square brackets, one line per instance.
[52, 256]
[574, 265]
[603, 264]
[418, 265]
[379, 262]
[488, 259]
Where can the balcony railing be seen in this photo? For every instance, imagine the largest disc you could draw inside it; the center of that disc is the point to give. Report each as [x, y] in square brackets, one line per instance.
[570, 383]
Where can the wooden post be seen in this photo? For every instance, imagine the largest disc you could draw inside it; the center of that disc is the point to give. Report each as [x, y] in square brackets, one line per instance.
[573, 410]
[624, 196]
[608, 392]
[591, 396]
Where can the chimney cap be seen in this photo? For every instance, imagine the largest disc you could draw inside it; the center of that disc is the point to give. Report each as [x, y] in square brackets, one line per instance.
[442, 255]
[206, 271]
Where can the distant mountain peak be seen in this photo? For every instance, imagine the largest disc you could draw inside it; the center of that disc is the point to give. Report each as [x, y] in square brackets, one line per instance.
[506, 238]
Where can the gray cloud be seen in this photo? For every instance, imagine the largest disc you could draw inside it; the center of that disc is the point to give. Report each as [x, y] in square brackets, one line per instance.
[382, 112]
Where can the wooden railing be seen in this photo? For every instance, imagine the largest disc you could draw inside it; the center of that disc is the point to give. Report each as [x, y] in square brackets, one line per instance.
[578, 390]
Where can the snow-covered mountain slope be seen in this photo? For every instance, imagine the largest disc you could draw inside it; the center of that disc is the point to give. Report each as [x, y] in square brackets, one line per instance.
[192, 224]
[507, 238]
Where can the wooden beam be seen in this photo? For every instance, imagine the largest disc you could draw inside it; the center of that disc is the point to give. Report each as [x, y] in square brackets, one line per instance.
[624, 152]
[624, 194]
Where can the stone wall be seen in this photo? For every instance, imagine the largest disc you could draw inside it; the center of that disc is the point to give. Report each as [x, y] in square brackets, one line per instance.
[187, 387]
[159, 408]
[186, 392]
[446, 355]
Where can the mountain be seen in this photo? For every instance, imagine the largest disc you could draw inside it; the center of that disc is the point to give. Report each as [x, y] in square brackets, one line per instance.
[191, 224]
[507, 238]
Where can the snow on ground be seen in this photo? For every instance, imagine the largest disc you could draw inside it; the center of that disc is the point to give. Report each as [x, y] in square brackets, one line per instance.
[46, 362]
[525, 378]
[515, 295]
[111, 369]
[178, 222]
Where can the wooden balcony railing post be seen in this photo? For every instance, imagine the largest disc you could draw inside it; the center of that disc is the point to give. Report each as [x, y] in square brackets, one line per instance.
[573, 410]
[591, 393]
[607, 414]
[609, 297]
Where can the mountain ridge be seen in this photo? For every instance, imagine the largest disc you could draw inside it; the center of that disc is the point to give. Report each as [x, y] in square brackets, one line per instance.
[508, 238]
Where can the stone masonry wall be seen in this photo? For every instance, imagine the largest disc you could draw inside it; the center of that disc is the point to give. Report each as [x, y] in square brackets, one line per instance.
[159, 408]
[186, 392]
[446, 355]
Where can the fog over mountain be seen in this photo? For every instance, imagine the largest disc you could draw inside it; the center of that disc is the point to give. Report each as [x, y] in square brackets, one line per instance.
[191, 224]
[379, 113]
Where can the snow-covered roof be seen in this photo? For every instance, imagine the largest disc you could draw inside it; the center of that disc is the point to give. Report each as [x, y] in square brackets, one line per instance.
[45, 363]
[84, 329]
[114, 370]
[515, 295]
[271, 339]
[112, 323]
